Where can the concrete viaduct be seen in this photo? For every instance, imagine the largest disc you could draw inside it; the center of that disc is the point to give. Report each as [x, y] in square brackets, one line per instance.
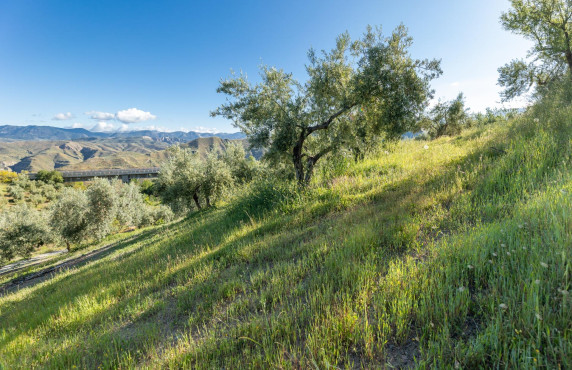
[125, 175]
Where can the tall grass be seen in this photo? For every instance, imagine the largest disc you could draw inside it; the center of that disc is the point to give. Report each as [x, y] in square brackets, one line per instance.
[453, 256]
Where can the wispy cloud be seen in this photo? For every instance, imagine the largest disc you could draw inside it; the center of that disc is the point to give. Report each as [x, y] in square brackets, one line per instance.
[63, 116]
[100, 116]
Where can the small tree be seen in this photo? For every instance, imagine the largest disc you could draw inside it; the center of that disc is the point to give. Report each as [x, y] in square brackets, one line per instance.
[242, 169]
[69, 216]
[370, 82]
[216, 178]
[102, 200]
[180, 178]
[130, 203]
[446, 118]
[22, 229]
[53, 177]
[548, 24]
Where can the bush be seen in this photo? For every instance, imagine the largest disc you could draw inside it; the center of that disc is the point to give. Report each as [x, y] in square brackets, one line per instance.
[16, 192]
[7, 177]
[155, 215]
[22, 229]
[102, 200]
[130, 203]
[37, 199]
[49, 176]
[69, 216]
[49, 191]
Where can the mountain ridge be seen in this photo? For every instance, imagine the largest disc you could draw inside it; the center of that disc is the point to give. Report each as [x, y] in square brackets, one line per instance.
[11, 133]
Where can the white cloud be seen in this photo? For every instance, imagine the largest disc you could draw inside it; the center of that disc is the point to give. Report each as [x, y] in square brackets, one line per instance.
[103, 126]
[77, 125]
[133, 115]
[100, 116]
[63, 116]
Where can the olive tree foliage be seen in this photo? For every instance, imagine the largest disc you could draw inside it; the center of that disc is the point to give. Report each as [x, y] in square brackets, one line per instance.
[548, 24]
[102, 200]
[186, 179]
[22, 229]
[180, 179]
[242, 169]
[69, 216]
[446, 118]
[365, 87]
[216, 178]
[130, 205]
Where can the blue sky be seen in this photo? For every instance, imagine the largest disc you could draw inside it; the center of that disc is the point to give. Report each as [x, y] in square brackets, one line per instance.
[137, 64]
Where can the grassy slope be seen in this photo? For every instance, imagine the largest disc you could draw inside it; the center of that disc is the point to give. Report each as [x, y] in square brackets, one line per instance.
[455, 255]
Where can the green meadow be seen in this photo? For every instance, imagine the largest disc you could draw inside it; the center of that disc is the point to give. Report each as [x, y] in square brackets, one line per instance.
[454, 252]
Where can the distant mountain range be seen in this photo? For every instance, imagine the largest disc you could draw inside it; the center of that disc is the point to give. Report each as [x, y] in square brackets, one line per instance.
[34, 133]
[101, 153]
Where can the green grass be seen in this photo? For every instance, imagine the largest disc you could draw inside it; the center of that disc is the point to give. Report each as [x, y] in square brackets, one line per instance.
[455, 255]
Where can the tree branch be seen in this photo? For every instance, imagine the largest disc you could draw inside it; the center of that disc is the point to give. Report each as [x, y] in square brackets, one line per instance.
[324, 125]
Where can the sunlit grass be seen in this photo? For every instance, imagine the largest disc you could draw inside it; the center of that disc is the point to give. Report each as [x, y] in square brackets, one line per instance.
[457, 255]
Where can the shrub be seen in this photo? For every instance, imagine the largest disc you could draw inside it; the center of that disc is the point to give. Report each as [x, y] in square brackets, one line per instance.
[49, 191]
[69, 216]
[16, 192]
[37, 199]
[130, 203]
[49, 176]
[7, 177]
[155, 215]
[102, 200]
[22, 229]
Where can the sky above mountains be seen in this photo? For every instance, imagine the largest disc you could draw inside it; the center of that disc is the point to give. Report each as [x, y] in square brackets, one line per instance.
[128, 65]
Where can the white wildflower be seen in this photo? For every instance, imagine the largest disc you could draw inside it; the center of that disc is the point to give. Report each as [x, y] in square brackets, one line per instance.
[461, 289]
[503, 306]
[539, 317]
[537, 282]
[503, 245]
[470, 267]
[543, 264]
[494, 254]
[426, 147]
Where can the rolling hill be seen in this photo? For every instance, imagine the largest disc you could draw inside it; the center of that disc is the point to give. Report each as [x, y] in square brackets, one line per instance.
[452, 253]
[98, 153]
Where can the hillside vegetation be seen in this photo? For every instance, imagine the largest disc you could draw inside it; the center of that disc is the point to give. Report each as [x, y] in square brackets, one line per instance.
[101, 153]
[453, 252]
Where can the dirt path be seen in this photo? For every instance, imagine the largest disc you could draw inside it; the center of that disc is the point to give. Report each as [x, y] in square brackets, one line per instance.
[16, 266]
[44, 274]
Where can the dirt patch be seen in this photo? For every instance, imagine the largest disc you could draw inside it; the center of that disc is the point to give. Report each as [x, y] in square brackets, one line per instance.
[45, 274]
[402, 356]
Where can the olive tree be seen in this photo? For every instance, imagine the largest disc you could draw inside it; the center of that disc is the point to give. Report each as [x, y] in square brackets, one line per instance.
[446, 118]
[548, 24]
[372, 81]
[242, 169]
[216, 178]
[180, 178]
[69, 216]
[130, 203]
[22, 229]
[102, 202]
